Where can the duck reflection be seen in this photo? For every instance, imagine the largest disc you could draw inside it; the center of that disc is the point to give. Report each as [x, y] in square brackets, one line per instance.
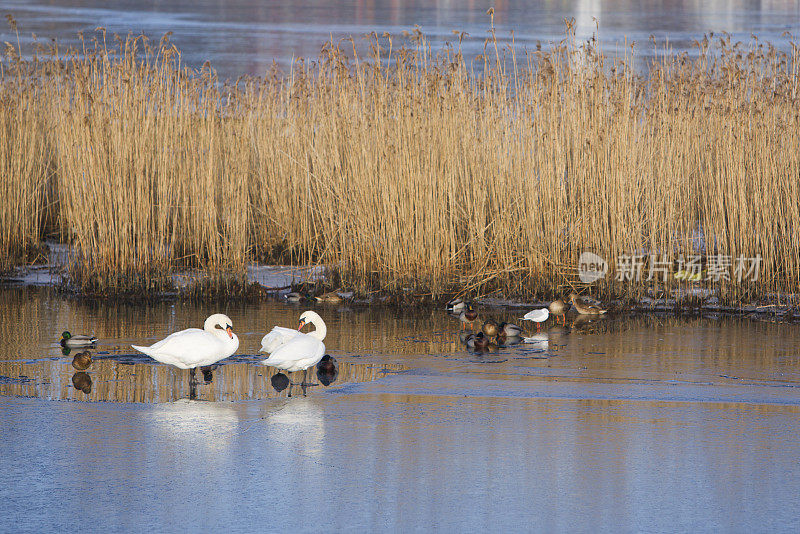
[588, 324]
[509, 341]
[82, 381]
[327, 370]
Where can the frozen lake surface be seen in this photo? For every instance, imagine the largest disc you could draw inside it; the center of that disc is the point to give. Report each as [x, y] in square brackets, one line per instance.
[246, 36]
[647, 423]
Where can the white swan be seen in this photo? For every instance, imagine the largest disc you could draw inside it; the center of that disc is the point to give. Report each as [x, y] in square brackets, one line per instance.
[292, 350]
[193, 347]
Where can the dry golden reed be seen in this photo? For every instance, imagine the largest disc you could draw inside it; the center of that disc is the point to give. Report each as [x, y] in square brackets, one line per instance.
[405, 168]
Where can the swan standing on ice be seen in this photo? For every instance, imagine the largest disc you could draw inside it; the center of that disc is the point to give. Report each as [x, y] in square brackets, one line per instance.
[192, 348]
[292, 350]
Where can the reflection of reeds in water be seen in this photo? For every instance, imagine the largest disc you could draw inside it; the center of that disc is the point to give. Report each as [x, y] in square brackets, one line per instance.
[640, 345]
[431, 172]
[117, 382]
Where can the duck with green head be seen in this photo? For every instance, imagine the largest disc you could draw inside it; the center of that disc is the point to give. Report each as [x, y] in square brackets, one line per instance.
[77, 340]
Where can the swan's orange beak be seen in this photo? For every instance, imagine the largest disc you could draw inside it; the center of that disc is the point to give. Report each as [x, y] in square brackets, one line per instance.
[229, 330]
[301, 325]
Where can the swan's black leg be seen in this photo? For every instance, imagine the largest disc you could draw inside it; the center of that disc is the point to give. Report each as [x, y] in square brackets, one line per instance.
[193, 383]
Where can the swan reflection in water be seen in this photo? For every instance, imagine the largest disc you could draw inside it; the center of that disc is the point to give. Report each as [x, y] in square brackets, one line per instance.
[82, 381]
[327, 373]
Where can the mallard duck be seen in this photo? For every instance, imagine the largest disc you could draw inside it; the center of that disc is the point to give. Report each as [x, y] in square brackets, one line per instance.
[294, 296]
[192, 348]
[456, 305]
[468, 316]
[293, 350]
[559, 308]
[331, 297]
[506, 330]
[489, 328]
[78, 340]
[585, 308]
[478, 341]
[82, 381]
[82, 360]
[538, 316]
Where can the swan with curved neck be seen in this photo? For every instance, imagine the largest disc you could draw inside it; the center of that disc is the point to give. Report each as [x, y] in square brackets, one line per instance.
[193, 347]
[292, 350]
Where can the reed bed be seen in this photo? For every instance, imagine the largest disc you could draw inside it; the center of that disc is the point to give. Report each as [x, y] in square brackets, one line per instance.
[406, 168]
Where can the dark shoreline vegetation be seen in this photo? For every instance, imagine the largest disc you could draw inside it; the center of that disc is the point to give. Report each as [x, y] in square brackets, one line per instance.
[408, 172]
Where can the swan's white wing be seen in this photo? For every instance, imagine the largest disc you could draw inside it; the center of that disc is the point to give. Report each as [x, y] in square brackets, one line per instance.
[276, 337]
[312, 359]
[298, 353]
[190, 348]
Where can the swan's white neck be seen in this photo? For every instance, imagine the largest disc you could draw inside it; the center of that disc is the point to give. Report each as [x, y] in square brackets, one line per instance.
[320, 329]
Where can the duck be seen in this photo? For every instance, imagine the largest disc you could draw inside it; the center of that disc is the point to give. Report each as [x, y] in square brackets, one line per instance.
[294, 296]
[331, 297]
[468, 316]
[538, 316]
[78, 340]
[293, 350]
[559, 308]
[489, 328]
[192, 348]
[82, 360]
[506, 330]
[585, 308]
[478, 341]
[456, 305]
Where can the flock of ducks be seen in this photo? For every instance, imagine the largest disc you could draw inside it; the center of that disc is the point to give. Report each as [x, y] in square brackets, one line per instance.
[81, 361]
[508, 333]
[293, 350]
